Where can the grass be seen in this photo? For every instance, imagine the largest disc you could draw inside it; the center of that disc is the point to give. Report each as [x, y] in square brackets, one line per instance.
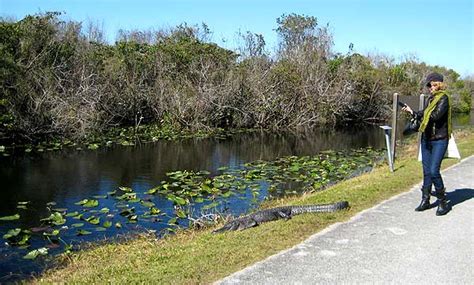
[197, 256]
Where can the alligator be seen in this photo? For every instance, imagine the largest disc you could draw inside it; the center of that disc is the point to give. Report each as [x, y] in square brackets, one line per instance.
[273, 214]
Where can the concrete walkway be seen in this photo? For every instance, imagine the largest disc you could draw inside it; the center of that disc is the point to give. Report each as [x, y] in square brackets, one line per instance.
[389, 243]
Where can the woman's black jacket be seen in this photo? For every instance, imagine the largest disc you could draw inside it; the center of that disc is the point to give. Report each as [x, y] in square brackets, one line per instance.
[437, 127]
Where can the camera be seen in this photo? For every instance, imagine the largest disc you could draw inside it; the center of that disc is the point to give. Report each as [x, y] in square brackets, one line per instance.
[401, 104]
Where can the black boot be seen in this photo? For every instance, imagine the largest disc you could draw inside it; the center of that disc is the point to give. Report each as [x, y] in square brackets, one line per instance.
[425, 200]
[443, 205]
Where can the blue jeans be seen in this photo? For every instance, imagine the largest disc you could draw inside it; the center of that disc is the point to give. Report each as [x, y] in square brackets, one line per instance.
[432, 153]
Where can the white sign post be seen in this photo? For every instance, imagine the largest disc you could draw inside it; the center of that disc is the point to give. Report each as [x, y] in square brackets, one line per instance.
[387, 130]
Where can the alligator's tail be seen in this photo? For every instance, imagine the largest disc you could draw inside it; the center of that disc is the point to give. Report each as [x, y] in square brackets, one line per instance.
[322, 208]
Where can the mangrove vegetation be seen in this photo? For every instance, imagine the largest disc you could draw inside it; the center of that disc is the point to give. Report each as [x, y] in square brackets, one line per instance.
[61, 82]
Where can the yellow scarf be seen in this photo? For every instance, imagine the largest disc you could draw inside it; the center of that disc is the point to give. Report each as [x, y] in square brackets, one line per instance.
[431, 106]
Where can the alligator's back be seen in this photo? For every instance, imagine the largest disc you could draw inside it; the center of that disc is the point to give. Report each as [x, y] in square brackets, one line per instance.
[277, 213]
[322, 208]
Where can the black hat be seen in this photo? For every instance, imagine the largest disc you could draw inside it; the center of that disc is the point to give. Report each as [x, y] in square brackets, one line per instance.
[434, 76]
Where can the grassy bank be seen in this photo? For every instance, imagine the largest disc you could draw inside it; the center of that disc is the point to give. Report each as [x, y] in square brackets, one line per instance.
[201, 257]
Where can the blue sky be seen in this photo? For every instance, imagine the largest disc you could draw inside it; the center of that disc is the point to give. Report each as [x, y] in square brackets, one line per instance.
[438, 32]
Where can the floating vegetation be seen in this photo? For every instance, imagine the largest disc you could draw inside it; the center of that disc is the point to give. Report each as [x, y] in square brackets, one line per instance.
[10, 218]
[186, 192]
[36, 252]
[127, 136]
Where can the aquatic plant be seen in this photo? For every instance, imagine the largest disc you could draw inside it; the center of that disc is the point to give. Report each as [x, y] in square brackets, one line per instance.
[186, 190]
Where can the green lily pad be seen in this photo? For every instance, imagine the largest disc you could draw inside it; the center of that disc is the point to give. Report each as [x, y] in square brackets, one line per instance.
[36, 252]
[24, 240]
[78, 217]
[172, 221]
[89, 203]
[93, 220]
[82, 232]
[52, 233]
[147, 204]
[132, 217]
[210, 206]
[72, 214]
[99, 196]
[126, 212]
[181, 214]
[12, 233]
[107, 224]
[55, 218]
[61, 210]
[152, 190]
[154, 211]
[199, 200]
[126, 189]
[177, 200]
[10, 218]
[128, 196]
[104, 210]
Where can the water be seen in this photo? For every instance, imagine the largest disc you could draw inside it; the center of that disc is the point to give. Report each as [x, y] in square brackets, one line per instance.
[68, 176]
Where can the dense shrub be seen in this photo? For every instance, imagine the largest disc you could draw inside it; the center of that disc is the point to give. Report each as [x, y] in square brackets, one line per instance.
[59, 81]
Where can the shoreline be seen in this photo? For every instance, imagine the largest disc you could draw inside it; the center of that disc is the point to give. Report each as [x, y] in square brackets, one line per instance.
[169, 260]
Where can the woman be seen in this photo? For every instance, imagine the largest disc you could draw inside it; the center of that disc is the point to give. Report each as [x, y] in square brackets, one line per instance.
[436, 130]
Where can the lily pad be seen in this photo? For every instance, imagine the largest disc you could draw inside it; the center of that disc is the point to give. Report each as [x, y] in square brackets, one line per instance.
[72, 214]
[128, 196]
[35, 253]
[82, 232]
[104, 210]
[152, 190]
[154, 211]
[126, 212]
[12, 233]
[99, 196]
[181, 214]
[126, 189]
[90, 203]
[147, 204]
[61, 210]
[10, 218]
[24, 240]
[52, 233]
[55, 218]
[93, 220]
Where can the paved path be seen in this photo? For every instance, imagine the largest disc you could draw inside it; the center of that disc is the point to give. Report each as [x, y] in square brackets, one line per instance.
[389, 243]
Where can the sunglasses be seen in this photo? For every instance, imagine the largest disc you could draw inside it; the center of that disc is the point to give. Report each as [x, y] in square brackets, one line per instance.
[428, 85]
